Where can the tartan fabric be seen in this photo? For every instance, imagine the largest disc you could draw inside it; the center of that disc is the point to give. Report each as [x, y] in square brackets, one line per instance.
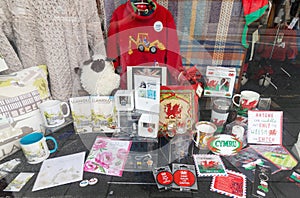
[209, 31]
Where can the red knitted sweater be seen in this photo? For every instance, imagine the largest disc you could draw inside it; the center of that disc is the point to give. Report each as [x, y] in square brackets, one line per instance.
[134, 39]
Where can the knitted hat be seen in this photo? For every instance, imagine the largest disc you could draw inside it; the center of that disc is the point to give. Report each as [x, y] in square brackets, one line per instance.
[253, 10]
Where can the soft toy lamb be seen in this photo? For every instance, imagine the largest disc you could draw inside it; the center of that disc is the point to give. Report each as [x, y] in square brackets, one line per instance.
[98, 76]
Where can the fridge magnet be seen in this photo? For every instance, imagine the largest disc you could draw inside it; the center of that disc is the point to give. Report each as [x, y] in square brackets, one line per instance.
[177, 104]
[107, 156]
[232, 185]
[224, 144]
[295, 176]
[150, 71]
[209, 165]
[219, 81]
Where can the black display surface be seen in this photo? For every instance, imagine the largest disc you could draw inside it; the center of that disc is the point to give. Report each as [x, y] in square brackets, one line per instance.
[132, 183]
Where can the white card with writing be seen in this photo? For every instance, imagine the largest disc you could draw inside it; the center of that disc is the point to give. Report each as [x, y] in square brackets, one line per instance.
[264, 127]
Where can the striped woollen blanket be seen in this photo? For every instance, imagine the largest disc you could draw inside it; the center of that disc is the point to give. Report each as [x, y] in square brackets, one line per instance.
[209, 31]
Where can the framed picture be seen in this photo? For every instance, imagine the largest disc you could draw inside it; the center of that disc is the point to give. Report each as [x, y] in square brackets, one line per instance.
[151, 71]
[178, 104]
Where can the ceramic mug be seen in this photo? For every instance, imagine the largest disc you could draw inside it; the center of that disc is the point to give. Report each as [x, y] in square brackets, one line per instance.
[35, 148]
[204, 130]
[248, 100]
[52, 112]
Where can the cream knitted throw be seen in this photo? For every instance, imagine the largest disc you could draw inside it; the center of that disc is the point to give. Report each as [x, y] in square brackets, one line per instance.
[59, 33]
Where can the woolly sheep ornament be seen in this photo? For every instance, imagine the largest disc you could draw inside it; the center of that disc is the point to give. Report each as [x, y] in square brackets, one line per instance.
[98, 76]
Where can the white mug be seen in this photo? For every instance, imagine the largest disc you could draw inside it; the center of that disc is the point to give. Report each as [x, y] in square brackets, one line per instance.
[248, 100]
[35, 148]
[52, 112]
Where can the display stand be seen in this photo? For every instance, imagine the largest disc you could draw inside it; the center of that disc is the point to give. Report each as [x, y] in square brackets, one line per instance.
[143, 154]
[177, 148]
[48, 130]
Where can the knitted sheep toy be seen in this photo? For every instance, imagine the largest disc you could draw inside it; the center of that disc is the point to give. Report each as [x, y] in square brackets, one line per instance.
[98, 77]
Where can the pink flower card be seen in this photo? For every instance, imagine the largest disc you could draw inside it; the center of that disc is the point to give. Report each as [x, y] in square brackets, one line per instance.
[107, 156]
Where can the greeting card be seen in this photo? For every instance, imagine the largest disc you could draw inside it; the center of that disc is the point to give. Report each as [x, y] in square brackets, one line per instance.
[264, 127]
[146, 93]
[107, 156]
[177, 104]
[209, 165]
[94, 114]
[81, 114]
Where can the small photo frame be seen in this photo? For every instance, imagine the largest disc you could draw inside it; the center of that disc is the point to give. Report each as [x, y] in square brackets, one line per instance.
[151, 71]
[124, 100]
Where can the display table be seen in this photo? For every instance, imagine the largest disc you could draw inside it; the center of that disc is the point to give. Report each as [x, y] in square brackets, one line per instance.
[131, 184]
